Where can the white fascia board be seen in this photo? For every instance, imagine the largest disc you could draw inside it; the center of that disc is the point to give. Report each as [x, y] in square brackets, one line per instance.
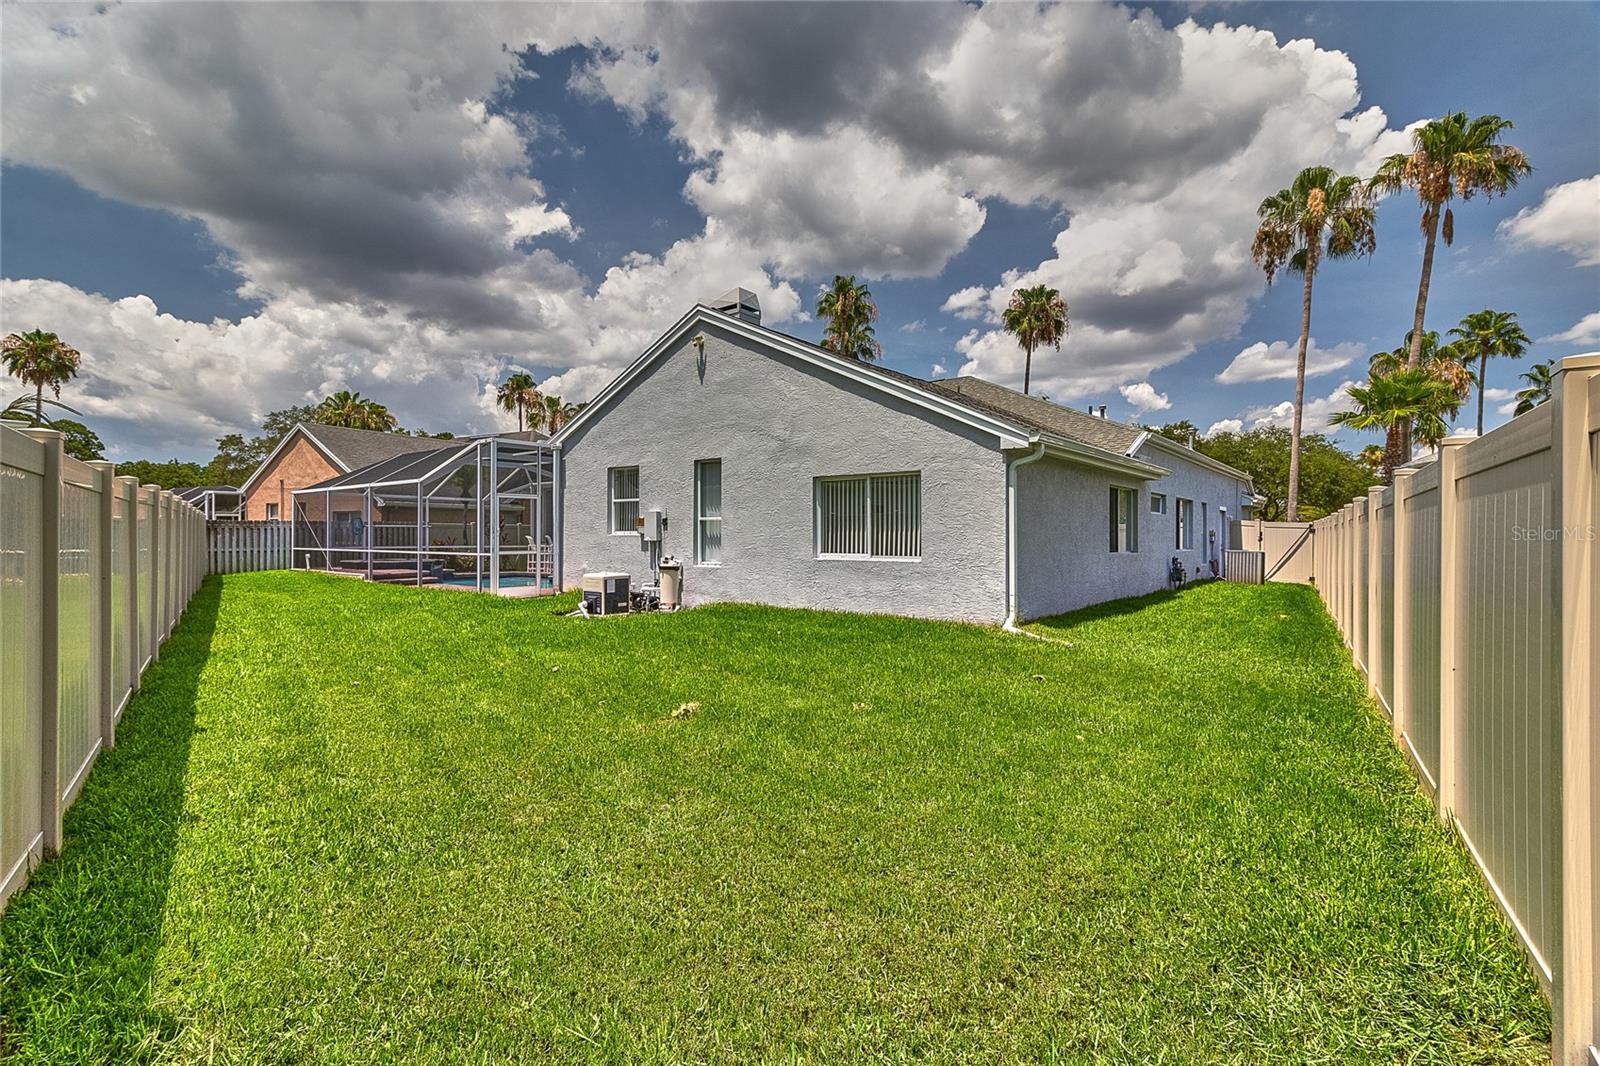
[1172, 447]
[1072, 451]
[1007, 434]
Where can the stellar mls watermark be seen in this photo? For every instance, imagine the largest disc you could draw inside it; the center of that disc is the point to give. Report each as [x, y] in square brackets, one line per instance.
[1583, 534]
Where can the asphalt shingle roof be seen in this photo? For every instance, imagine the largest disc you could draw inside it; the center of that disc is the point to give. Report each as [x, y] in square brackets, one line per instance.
[403, 467]
[356, 448]
[1040, 414]
[1028, 412]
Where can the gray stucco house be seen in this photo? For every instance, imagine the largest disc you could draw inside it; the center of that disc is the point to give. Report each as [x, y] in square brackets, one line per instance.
[790, 476]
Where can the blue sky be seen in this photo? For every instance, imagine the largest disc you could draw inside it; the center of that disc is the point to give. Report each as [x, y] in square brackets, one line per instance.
[225, 220]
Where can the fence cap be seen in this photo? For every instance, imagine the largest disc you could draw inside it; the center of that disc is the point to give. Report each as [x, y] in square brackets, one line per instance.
[1459, 437]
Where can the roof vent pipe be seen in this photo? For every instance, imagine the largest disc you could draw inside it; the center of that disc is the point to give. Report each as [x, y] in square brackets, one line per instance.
[741, 304]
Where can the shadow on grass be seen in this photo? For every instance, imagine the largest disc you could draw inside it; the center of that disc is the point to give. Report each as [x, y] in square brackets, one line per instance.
[78, 946]
[1113, 608]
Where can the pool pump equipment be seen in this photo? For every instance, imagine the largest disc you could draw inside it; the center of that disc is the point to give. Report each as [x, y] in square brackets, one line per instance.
[605, 594]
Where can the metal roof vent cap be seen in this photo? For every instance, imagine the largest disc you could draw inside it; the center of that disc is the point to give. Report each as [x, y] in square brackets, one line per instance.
[740, 303]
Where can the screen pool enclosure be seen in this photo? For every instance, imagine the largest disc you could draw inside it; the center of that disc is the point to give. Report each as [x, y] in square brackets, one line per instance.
[477, 515]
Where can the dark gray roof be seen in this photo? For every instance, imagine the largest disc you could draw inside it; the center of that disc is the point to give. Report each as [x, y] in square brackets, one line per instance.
[356, 448]
[1026, 412]
[406, 466]
[1043, 415]
[197, 491]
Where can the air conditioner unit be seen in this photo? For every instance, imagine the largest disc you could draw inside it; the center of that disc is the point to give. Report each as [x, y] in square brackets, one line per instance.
[605, 593]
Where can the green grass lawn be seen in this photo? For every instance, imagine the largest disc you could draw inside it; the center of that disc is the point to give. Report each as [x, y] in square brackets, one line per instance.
[350, 823]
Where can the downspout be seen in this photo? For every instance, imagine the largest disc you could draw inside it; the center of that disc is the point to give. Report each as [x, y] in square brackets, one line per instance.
[558, 545]
[1010, 624]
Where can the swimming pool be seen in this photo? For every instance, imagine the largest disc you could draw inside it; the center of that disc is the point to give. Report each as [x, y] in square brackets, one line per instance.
[507, 581]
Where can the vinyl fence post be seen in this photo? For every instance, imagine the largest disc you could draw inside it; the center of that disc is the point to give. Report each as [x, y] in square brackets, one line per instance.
[106, 480]
[1400, 669]
[1363, 564]
[1575, 992]
[1450, 606]
[50, 642]
[1373, 592]
[1348, 538]
[128, 488]
[153, 493]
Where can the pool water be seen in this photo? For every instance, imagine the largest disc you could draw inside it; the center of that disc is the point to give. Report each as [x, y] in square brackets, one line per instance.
[507, 581]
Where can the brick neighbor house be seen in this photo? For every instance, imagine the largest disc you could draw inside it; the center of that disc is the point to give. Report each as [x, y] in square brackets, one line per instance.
[309, 454]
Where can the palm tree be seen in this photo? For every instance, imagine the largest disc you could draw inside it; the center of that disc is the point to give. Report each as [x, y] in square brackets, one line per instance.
[1036, 317]
[1489, 333]
[40, 359]
[1412, 396]
[1541, 378]
[1320, 214]
[27, 408]
[518, 393]
[1373, 456]
[847, 311]
[552, 413]
[1450, 157]
[354, 411]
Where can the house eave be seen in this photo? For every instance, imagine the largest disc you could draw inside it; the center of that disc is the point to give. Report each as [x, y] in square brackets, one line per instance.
[1006, 434]
[1172, 447]
[1072, 451]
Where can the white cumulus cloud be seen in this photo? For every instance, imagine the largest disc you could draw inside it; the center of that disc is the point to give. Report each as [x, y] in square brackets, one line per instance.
[1267, 362]
[360, 172]
[1224, 425]
[1143, 397]
[1315, 417]
[1585, 331]
[1568, 218]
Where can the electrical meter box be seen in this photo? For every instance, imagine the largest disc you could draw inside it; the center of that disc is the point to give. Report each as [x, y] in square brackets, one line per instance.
[650, 524]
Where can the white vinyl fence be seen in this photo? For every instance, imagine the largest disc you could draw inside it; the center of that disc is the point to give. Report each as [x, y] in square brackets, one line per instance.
[95, 570]
[1467, 593]
[236, 547]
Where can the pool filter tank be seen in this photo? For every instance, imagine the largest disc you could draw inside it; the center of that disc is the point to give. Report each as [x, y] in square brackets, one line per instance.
[671, 571]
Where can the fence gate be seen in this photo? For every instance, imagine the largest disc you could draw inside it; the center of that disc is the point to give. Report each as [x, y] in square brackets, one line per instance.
[1288, 548]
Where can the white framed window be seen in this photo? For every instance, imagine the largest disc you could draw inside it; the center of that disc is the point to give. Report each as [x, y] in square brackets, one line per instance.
[624, 493]
[272, 512]
[875, 516]
[708, 512]
[1185, 532]
[1158, 503]
[1124, 520]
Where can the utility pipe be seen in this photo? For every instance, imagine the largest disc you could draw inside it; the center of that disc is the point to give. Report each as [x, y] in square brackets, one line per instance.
[1010, 623]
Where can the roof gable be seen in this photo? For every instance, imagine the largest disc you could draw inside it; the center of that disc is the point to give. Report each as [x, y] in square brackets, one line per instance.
[1006, 432]
[346, 449]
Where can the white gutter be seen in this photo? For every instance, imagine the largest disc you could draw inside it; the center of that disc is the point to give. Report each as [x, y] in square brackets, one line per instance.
[1010, 623]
